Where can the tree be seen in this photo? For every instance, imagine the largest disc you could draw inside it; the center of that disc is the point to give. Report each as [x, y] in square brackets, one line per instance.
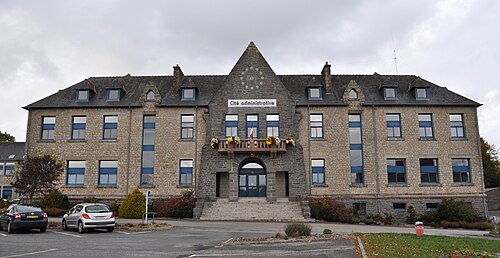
[491, 164]
[134, 205]
[37, 174]
[5, 137]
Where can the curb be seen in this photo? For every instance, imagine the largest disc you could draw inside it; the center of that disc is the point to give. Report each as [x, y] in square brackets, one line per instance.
[363, 252]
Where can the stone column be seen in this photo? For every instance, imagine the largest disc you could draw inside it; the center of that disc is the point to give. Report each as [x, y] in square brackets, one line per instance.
[271, 186]
[233, 185]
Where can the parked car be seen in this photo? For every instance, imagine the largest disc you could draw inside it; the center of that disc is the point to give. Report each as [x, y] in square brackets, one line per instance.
[23, 216]
[85, 216]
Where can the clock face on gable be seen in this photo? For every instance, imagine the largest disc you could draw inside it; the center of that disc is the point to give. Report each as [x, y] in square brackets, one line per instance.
[252, 78]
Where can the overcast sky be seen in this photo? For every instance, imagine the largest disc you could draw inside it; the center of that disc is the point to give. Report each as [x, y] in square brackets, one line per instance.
[50, 45]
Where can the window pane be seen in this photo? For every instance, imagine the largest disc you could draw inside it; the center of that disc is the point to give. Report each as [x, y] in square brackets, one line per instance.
[455, 117]
[147, 179]
[149, 137]
[356, 158]
[148, 159]
[187, 118]
[186, 163]
[188, 93]
[149, 119]
[354, 118]
[318, 163]
[424, 117]
[109, 163]
[392, 117]
[272, 117]
[151, 95]
[252, 118]
[314, 93]
[83, 94]
[49, 120]
[76, 164]
[421, 93]
[390, 92]
[316, 118]
[355, 135]
[353, 94]
[111, 119]
[231, 117]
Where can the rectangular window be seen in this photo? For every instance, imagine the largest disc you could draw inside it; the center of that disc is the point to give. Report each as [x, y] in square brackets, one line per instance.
[318, 171]
[390, 93]
[399, 206]
[48, 127]
[113, 95]
[425, 126]
[431, 206]
[429, 171]
[315, 93]
[252, 126]
[421, 93]
[110, 130]
[393, 125]
[457, 125]
[9, 169]
[396, 171]
[461, 170]
[188, 94]
[148, 150]
[75, 173]
[7, 193]
[359, 209]
[186, 172]
[231, 125]
[108, 170]
[187, 126]
[316, 122]
[273, 125]
[356, 149]
[82, 95]
[78, 128]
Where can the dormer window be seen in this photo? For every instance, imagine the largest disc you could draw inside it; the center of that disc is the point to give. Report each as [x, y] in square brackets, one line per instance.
[390, 93]
[82, 95]
[151, 95]
[315, 93]
[422, 93]
[188, 94]
[113, 95]
[353, 94]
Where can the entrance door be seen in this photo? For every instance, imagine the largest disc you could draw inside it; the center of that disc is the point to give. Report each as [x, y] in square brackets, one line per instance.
[252, 181]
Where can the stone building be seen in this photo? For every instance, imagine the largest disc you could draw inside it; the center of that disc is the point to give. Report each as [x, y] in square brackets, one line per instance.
[10, 154]
[379, 143]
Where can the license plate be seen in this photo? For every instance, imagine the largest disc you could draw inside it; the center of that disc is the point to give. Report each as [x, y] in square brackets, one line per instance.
[99, 217]
[32, 217]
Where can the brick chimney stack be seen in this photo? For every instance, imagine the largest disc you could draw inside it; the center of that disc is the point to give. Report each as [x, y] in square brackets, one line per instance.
[327, 79]
[178, 77]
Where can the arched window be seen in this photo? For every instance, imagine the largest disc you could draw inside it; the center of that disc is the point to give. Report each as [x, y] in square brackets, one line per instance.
[353, 94]
[150, 95]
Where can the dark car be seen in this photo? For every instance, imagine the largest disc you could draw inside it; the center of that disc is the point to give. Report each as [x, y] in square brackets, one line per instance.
[23, 216]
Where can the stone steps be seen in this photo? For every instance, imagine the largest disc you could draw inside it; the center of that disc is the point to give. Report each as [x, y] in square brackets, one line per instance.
[253, 209]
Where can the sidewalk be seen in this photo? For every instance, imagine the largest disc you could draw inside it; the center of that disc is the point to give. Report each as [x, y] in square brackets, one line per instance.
[317, 227]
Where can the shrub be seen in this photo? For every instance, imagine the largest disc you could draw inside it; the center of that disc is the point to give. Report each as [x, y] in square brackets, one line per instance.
[369, 221]
[115, 207]
[327, 231]
[56, 199]
[353, 220]
[412, 215]
[54, 212]
[451, 210]
[298, 229]
[134, 205]
[176, 207]
[377, 218]
[328, 209]
[480, 225]
[3, 204]
[90, 199]
[389, 218]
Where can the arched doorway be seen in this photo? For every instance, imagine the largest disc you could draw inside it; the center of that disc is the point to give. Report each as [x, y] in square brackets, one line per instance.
[252, 180]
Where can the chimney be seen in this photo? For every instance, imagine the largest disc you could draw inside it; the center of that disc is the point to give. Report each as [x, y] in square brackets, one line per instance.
[327, 79]
[178, 77]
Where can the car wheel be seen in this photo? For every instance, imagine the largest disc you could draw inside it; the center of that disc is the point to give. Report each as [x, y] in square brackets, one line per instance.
[43, 230]
[64, 225]
[110, 229]
[81, 229]
[9, 227]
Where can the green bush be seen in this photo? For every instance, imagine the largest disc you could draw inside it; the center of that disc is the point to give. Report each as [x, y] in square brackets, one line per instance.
[454, 211]
[480, 225]
[412, 215]
[389, 219]
[328, 209]
[115, 208]
[56, 199]
[327, 231]
[134, 205]
[297, 229]
[3, 204]
[376, 218]
[54, 212]
[176, 207]
[90, 199]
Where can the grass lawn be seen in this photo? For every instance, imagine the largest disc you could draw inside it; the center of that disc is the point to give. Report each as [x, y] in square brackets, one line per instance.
[410, 245]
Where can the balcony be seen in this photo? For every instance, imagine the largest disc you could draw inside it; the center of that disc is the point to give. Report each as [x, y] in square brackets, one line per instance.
[251, 146]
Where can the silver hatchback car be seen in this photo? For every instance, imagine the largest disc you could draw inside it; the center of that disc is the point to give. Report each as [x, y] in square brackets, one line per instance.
[89, 216]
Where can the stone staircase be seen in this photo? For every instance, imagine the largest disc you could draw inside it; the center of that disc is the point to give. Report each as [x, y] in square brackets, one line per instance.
[256, 209]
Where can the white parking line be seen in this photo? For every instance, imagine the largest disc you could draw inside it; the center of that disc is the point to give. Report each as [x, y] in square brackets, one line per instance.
[67, 234]
[26, 254]
[133, 233]
[1, 234]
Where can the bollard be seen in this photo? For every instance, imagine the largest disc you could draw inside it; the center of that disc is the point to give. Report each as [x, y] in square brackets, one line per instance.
[419, 228]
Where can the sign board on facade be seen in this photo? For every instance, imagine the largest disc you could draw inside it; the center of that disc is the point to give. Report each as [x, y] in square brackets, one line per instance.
[251, 103]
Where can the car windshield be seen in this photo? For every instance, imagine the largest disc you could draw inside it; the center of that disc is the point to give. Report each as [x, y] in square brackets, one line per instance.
[96, 208]
[25, 208]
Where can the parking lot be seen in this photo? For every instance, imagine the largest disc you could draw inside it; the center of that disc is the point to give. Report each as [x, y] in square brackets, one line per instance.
[175, 242]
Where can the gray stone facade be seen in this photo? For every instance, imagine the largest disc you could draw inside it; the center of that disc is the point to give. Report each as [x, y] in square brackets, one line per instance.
[216, 173]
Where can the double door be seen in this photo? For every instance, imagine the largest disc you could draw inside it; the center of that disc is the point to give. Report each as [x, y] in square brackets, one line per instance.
[252, 183]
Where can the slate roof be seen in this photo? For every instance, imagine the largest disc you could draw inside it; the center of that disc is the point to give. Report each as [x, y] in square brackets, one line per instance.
[207, 85]
[11, 148]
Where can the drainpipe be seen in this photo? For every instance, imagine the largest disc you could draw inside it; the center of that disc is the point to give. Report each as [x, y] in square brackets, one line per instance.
[483, 191]
[195, 146]
[309, 185]
[377, 165]
[128, 147]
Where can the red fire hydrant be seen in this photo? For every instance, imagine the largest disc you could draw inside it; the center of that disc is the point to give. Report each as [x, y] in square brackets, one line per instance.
[419, 228]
